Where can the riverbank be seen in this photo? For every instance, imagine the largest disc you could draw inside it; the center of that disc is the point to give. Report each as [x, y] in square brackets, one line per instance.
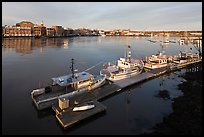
[186, 118]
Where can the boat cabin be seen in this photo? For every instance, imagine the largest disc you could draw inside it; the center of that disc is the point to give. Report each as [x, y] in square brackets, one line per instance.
[80, 80]
[156, 61]
[127, 63]
[158, 58]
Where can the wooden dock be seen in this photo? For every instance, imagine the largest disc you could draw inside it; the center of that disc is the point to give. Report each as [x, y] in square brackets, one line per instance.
[45, 101]
[67, 117]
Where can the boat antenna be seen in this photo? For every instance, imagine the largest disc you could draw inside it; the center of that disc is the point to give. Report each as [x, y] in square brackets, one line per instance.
[72, 67]
[129, 53]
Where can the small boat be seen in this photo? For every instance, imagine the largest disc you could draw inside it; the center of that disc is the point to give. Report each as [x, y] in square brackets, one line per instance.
[154, 41]
[166, 41]
[172, 41]
[86, 106]
[181, 41]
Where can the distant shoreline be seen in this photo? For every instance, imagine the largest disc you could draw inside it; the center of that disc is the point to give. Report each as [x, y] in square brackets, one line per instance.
[87, 36]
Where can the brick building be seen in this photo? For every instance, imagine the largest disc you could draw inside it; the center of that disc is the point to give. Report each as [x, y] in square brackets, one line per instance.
[17, 31]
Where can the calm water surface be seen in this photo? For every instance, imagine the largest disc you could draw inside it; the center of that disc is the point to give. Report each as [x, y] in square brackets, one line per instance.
[29, 63]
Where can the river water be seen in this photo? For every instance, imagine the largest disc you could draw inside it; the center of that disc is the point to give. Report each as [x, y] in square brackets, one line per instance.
[29, 63]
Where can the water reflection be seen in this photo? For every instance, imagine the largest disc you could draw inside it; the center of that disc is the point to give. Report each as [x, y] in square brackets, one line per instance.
[27, 45]
[20, 45]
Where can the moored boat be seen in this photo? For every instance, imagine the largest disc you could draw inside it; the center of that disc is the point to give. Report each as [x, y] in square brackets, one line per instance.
[84, 106]
[71, 83]
[156, 61]
[124, 68]
[184, 57]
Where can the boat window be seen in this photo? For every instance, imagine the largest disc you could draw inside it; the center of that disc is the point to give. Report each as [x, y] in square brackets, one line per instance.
[155, 61]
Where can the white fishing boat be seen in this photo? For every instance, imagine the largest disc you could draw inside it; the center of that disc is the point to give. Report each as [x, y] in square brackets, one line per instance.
[75, 82]
[184, 57]
[83, 107]
[156, 61]
[124, 68]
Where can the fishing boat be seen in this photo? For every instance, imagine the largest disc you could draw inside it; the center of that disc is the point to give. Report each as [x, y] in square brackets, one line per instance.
[184, 57]
[124, 68]
[71, 83]
[84, 106]
[156, 61]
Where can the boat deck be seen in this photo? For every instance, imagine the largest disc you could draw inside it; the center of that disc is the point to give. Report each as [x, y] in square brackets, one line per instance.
[46, 100]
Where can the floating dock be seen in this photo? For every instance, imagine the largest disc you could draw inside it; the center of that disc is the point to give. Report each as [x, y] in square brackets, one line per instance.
[67, 117]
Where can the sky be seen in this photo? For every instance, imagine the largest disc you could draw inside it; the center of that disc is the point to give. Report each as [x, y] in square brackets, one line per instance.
[144, 16]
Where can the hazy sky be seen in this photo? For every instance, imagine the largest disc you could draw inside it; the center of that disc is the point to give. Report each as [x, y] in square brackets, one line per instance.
[107, 15]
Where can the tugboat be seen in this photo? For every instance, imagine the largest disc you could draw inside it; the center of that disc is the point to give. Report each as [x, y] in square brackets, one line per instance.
[124, 68]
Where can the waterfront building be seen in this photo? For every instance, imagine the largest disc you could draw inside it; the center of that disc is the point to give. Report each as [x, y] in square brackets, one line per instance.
[50, 32]
[40, 30]
[17, 31]
[69, 32]
[59, 30]
[25, 24]
[101, 32]
[24, 28]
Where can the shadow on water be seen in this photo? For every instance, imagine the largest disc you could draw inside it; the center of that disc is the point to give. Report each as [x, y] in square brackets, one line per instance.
[48, 112]
[43, 113]
[162, 93]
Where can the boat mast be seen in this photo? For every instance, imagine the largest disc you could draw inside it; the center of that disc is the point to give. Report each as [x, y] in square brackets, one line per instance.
[72, 68]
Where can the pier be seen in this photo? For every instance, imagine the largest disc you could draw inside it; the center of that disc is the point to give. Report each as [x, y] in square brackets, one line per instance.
[67, 117]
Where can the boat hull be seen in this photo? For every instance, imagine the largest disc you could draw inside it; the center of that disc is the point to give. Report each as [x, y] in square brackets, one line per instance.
[154, 66]
[119, 76]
